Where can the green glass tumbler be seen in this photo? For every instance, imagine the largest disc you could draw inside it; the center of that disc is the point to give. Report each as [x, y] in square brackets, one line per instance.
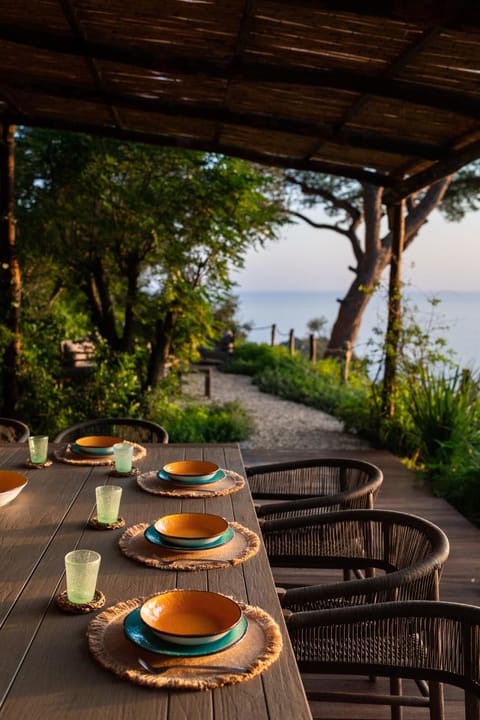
[81, 568]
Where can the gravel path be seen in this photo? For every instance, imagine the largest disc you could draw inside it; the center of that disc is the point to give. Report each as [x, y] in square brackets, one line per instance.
[278, 423]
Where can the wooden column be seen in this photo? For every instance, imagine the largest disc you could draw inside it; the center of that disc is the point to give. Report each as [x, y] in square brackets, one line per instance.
[273, 335]
[291, 342]
[396, 215]
[10, 283]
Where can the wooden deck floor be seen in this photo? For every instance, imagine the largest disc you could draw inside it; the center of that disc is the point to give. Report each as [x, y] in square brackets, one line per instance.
[402, 491]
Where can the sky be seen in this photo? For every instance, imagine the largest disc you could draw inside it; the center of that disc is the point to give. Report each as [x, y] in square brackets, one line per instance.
[444, 256]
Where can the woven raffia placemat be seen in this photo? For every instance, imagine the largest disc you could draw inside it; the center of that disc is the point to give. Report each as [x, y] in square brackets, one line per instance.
[244, 545]
[67, 455]
[151, 483]
[257, 650]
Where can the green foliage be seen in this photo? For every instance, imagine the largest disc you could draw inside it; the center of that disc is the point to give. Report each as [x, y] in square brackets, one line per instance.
[202, 423]
[51, 402]
[436, 425]
[462, 195]
[250, 358]
[137, 242]
[112, 388]
[445, 414]
[444, 430]
[295, 378]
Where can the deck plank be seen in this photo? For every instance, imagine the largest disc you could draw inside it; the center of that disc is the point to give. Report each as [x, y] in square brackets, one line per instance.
[403, 491]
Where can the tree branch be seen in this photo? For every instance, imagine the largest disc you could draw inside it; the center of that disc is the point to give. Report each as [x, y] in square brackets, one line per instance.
[336, 202]
[431, 200]
[417, 216]
[320, 226]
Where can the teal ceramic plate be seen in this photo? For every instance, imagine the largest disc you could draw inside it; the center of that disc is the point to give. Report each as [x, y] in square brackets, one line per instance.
[219, 475]
[91, 451]
[153, 536]
[136, 631]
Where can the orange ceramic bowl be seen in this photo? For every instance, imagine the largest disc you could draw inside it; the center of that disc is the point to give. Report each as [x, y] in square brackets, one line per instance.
[191, 470]
[97, 444]
[191, 529]
[190, 617]
[11, 483]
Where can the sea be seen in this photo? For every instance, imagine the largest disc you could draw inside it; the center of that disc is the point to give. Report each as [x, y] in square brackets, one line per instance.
[450, 315]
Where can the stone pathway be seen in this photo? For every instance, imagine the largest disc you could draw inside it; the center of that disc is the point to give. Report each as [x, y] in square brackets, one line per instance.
[278, 423]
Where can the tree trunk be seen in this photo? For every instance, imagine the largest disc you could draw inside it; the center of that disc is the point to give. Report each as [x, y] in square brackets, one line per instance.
[10, 278]
[373, 260]
[371, 264]
[130, 304]
[349, 318]
[161, 349]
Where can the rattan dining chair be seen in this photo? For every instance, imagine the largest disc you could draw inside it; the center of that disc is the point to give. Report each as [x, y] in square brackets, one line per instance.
[314, 485]
[409, 551]
[401, 557]
[133, 429]
[12, 430]
[429, 642]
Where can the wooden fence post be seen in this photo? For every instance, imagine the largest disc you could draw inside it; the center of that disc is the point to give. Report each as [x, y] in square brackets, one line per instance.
[291, 342]
[313, 348]
[346, 362]
[274, 332]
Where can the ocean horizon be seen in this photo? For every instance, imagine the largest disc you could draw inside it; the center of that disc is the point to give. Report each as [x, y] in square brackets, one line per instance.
[455, 317]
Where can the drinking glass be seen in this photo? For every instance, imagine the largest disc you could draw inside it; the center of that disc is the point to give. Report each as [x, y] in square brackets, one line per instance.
[81, 567]
[123, 454]
[38, 448]
[108, 503]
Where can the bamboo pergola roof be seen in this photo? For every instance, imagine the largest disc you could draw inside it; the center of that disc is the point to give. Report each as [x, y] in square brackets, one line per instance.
[381, 90]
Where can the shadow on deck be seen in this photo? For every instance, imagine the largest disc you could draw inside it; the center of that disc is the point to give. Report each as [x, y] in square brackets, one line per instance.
[402, 491]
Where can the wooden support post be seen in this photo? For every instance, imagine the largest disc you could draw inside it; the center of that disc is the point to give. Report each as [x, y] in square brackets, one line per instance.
[10, 281]
[208, 382]
[396, 216]
[291, 342]
[273, 336]
[346, 362]
[313, 348]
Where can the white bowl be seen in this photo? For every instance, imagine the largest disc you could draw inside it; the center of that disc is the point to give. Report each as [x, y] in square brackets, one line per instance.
[11, 484]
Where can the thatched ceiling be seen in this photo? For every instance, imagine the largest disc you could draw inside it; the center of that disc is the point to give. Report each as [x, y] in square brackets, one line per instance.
[385, 90]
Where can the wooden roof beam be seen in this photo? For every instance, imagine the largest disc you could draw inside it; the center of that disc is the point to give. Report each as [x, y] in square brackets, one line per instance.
[156, 59]
[328, 133]
[397, 65]
[448, 13]
[240, 45]
[192, 143]
[71, 17]
[455, 160]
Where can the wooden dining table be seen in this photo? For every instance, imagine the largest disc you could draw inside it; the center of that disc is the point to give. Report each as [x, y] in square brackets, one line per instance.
[47, 669]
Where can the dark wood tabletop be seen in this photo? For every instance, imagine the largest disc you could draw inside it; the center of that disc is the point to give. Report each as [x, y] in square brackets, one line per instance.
[46, 668]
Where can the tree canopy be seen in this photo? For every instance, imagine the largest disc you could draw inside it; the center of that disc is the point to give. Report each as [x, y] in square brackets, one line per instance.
[141, 240]
[355, 211]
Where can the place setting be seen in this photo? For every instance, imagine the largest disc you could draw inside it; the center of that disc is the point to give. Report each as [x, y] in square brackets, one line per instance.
[189, 541]
[191, 478]
[185, 639]
[103, 450]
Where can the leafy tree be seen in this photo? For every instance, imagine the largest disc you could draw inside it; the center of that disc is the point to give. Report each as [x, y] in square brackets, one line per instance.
[355, 208]
[316, 325]
[139, 239]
